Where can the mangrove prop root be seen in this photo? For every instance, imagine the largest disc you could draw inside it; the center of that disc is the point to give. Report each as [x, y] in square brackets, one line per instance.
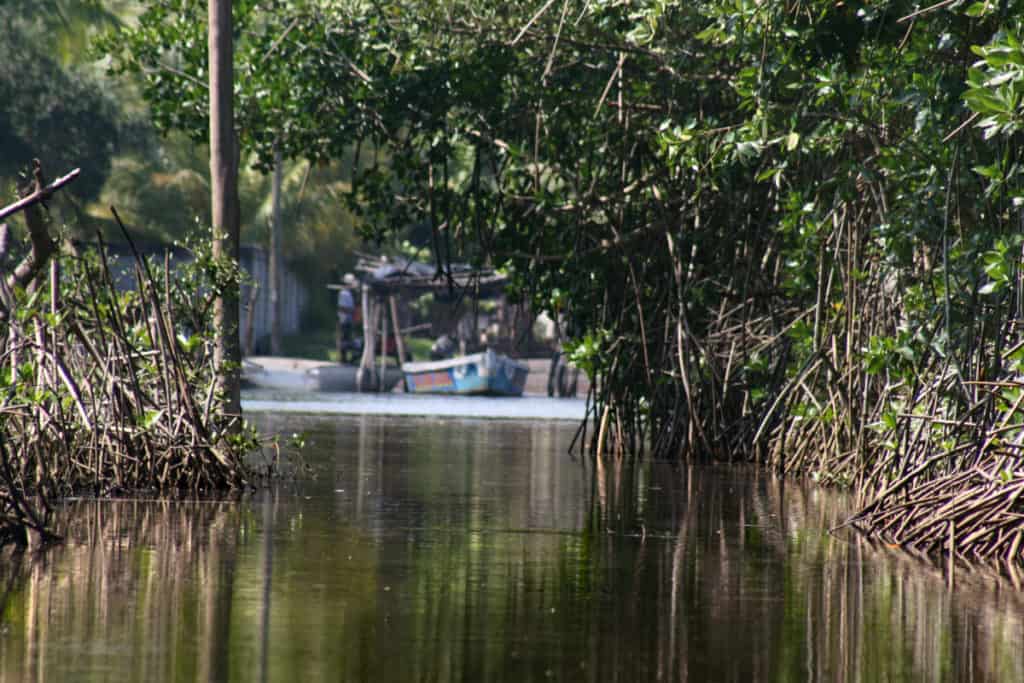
[99, 396]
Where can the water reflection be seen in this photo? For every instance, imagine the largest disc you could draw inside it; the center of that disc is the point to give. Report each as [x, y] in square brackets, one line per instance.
[430, 550]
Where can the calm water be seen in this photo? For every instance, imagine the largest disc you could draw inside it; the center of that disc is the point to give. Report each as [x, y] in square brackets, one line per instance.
[476, 550]
[420, 405]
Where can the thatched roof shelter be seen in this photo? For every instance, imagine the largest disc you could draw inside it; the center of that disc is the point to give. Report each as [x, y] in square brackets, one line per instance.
[386, 276]
[383, 280]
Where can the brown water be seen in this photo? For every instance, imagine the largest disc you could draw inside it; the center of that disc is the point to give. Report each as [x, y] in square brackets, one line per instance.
[476, 550]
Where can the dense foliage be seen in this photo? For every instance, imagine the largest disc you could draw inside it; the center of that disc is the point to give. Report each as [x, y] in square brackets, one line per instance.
[781, 231]
[50, 112]
[725, 197]
[297, 87]
[296, 97]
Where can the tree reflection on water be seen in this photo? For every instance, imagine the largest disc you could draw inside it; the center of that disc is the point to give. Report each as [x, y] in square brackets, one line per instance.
[477, 550]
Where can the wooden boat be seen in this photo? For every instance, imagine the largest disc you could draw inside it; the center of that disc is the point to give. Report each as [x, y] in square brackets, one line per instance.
[486, 373]
[296, 375]
[343, 378]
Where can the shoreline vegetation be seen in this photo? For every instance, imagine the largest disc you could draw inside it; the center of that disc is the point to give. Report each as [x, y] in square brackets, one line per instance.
[786, 233]
[101, 390]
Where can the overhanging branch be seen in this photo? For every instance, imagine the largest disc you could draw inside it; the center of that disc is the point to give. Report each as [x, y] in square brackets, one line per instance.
[39, 195]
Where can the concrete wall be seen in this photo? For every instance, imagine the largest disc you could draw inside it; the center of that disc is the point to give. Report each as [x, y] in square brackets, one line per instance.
[294, 299]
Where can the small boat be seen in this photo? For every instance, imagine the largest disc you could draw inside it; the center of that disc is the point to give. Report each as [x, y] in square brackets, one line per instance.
[252, 375]
[344, 378]
[295, 375]
[486, 373]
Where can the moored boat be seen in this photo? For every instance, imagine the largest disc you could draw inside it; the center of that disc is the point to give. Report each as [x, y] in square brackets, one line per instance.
[344, 378]
[485, 373]
[303, 375]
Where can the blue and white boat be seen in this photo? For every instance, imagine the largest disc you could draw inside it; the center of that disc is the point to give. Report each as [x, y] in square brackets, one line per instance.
[486, 373]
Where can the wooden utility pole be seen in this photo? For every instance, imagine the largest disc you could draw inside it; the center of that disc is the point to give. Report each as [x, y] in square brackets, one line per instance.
[224, 199]
[275, 255]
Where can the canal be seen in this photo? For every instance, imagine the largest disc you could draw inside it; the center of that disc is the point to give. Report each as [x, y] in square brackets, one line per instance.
[420, 548]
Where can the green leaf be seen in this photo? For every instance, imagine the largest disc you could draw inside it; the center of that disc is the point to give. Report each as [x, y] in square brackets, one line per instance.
[983, 102]
[991, 172]
[149, 418]
[978, 9]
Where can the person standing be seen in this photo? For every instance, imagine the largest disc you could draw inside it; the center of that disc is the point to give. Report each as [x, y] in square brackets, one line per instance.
[346, 317]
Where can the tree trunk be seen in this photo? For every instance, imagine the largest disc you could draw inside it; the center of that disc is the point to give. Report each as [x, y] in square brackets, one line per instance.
[275, 257]
[224, 200]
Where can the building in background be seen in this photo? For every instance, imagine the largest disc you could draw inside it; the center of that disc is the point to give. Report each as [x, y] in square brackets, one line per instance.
[255, 323]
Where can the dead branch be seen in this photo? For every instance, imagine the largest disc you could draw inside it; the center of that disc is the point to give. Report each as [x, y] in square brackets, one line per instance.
[39, 194]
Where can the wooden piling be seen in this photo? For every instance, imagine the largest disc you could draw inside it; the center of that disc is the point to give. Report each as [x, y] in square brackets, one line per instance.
[366, 379]
[399, 341]
[383, 338]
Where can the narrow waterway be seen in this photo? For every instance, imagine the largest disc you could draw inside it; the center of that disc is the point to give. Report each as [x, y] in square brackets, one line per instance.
[454, 549]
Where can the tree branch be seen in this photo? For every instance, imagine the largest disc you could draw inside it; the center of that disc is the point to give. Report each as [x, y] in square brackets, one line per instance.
[43, 245]
[39, 195]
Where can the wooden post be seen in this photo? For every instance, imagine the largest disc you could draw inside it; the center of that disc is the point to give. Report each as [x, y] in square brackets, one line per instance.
[383, 340]
[274, 262]
[399, 342]
[365, 380]
[250, 317]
